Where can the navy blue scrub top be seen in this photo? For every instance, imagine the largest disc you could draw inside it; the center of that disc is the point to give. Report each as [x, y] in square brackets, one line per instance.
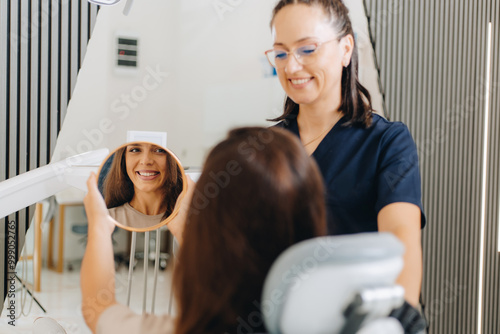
[365, 169]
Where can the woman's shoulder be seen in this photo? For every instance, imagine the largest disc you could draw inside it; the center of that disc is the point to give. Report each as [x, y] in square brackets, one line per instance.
[381, 135]
[384, 124]
[124, 214]
[113, 212]
[389, 130]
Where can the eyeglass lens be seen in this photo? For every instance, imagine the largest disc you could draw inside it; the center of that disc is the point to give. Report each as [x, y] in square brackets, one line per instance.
[304, 56]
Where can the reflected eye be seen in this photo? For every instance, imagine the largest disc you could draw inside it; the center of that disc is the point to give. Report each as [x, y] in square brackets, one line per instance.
[160, 150]
[134, 150]
[306, 50]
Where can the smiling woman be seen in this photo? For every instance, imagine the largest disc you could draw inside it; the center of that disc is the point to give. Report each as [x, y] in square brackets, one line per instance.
[369, 165]
[141, 183]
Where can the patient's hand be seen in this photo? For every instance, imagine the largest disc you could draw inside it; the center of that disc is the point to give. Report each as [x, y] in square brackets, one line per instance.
[177, 224]
[97, 276]
[99, 220]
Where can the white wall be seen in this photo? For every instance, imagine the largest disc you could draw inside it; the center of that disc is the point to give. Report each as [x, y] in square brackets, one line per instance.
[212, 75]
[368, 74]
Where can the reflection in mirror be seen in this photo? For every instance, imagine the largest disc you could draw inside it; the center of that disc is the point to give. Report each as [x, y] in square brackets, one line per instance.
[141, 182]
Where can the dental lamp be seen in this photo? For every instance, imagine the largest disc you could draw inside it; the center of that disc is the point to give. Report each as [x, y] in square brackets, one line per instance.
[26, 189]
[126, 10]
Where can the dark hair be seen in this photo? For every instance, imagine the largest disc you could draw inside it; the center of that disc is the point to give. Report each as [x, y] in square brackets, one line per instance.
[258, 194]
[355, 99]
[118, 195]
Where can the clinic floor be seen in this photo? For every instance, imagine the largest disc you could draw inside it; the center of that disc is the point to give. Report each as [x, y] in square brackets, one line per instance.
[60, 296]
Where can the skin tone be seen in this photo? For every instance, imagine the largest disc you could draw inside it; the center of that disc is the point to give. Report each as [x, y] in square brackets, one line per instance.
[403, 220]
[319, 98]
[147, 169]
[97, 275]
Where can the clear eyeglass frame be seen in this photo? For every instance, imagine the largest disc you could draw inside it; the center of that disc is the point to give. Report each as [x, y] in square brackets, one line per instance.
[301, 54]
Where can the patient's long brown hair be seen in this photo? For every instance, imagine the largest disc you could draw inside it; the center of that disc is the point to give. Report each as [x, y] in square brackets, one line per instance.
[119, 189]
[258, 194]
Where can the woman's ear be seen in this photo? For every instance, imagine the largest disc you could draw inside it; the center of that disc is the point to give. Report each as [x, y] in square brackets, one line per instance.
[347, 47]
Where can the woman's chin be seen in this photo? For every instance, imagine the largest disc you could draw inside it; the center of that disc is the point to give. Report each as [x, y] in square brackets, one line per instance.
[302, 97]
[147, 190]
[302, 100]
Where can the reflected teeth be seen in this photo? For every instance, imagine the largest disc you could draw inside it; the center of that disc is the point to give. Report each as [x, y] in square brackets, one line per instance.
[300, 81]
[147, 174]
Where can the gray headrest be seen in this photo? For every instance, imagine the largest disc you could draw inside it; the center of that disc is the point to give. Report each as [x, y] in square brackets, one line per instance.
[310, 284]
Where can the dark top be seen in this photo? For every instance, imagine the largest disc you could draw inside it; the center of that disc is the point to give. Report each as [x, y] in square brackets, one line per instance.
[365, 169]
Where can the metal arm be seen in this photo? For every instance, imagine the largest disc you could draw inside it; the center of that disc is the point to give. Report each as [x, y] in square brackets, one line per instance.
[28, 188]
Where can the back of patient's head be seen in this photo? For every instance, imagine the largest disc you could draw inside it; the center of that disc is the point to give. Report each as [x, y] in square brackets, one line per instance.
[258, 194]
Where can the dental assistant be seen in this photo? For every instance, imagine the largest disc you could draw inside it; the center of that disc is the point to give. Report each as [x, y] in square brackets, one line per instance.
[369, 165]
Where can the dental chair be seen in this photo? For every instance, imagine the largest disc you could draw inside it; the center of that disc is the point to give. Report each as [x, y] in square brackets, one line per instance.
[335, 284]
[328, 285]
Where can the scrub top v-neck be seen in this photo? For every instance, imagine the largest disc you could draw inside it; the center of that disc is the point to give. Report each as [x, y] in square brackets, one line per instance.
[365, 169]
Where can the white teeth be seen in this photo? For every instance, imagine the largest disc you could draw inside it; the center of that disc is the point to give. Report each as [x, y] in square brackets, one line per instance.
[300, 81]
[147, 174]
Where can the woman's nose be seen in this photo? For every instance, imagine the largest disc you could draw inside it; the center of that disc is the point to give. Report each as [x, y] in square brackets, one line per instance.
[293, 64]
[146, 158]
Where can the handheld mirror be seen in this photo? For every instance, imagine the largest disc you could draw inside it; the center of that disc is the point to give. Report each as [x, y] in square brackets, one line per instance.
[140, 183]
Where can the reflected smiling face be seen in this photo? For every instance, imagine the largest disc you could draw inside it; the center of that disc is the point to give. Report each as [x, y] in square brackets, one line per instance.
[146, 166]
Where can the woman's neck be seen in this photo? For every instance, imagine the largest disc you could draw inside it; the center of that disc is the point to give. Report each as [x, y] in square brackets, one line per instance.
[315, 118]
[315, 121]
[148, 203]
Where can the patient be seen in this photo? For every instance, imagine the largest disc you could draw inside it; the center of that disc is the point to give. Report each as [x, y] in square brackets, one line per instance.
[142, 185]
[259, 193]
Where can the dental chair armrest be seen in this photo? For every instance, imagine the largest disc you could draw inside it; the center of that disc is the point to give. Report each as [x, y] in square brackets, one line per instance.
[410, 318]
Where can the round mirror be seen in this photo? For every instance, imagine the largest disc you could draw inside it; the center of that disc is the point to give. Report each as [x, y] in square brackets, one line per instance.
[140, 183]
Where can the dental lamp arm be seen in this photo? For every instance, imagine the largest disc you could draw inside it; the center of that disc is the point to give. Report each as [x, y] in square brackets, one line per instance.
[31, 187]
[128, 7]
[97, 276]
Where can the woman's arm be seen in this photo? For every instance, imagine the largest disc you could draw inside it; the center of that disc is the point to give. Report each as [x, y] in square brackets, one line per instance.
[403, 220]
[97, 276]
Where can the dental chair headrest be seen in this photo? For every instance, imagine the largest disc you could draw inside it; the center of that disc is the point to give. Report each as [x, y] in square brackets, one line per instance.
[333, 284]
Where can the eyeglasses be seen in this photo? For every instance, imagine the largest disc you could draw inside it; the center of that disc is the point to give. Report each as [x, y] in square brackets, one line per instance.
[304, 55]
